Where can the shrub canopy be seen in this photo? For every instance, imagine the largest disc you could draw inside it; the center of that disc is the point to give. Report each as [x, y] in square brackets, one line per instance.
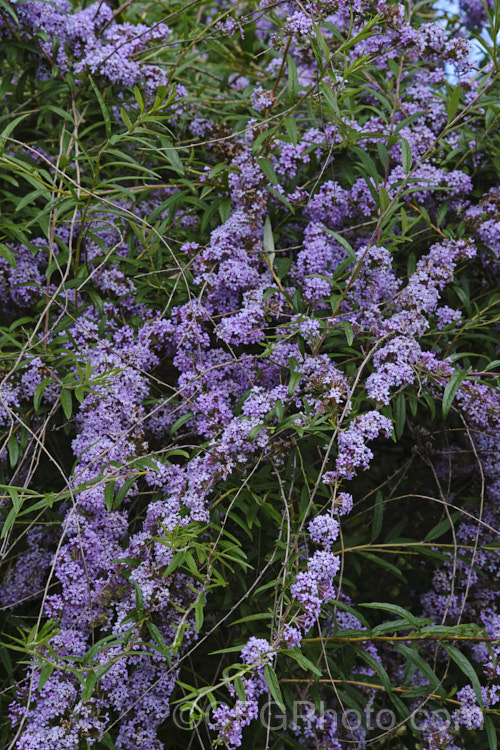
[249, 402]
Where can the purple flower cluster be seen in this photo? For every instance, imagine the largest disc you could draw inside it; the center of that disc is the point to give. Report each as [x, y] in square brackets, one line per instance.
[230, 722]
[269, 335]
[353, 452]
[90, 40]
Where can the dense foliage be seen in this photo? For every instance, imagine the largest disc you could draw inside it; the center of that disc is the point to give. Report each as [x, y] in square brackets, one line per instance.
[249, 404]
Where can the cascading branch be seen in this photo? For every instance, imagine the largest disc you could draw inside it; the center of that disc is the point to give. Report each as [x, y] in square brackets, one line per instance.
[249, 398]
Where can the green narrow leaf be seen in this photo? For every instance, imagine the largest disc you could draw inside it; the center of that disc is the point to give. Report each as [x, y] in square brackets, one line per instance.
[7, 7]
[174, 563]
[240, 688]
[199, 614]
[255, 431]
[274, 686]
[400, 414]
[404, 221]
[44, 675]
[383, 153]
[220, 167]
[126, 119]
[8, 255]
[14, 496]
[179, 422]
[8, 130]
[303, 661]
[229, 650]
[385, 198]
[340, 269]
[368, 164]
[190, 562]
[330, 100]
[13, 447]
[280, 197]
[408, 673]
[104, 109]
[257, 616]
[260, 139]
[173, 157]
[279, 410]
[391, 626]
[89, 686]
[122, 492]
[268, 169]
[96, 301]
[378, 560]
[321, 40]
[452, 387]
[139, 98]
[157, 637]
[107, 742]
[139, 601]
[427, 398]
[179, 637]
[50, 498]
[442, 527]
[66, 402]
[378, 513]
[412, 655]
[492, 365]
[164, 96]
[377, 668]
[293, 80]
[109, 494]
[406, 155]
[466, 667]
[402, 708]
[31, 197]
[291, 129]
[294, 378]
[347, 328]
[225, 209]
[441, 214]
[317, 54]
[342, 241]
[491, 732]
[452, 104]
[393, 609]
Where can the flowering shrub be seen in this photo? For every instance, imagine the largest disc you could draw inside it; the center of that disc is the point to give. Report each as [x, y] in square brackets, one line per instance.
[249, 402]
